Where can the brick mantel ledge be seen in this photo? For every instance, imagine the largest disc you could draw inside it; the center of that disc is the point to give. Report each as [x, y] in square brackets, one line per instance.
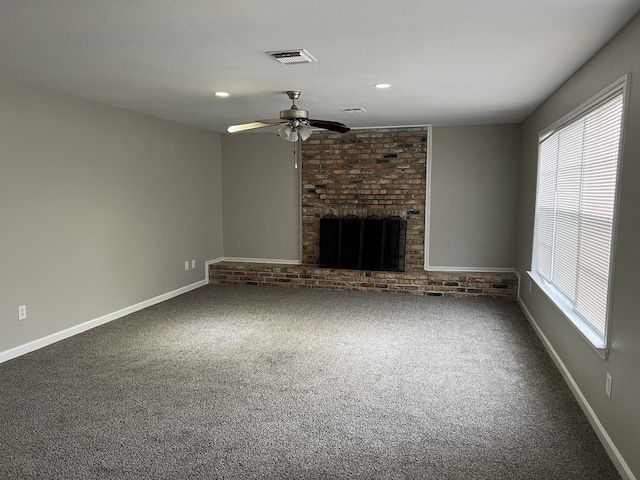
[455, 284]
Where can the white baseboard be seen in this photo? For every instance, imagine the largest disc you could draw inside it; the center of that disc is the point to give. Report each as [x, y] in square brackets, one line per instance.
[613, 452]
[262, 260]
[71, 331]
[431, 268]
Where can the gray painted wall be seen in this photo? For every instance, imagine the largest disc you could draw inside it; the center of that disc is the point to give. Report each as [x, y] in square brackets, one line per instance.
[99, 209]
[261, 197]
[473, 196]
[619, 415]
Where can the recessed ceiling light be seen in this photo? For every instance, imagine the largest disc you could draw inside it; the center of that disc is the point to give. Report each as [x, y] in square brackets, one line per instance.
[383, 85]
[221, 94]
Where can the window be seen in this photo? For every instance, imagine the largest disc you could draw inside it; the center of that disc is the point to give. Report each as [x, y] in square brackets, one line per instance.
[578, 160]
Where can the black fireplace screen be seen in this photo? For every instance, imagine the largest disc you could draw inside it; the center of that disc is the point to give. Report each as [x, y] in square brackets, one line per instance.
[370, 244]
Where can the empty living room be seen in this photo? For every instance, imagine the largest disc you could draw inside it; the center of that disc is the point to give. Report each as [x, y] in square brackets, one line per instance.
[309, 240]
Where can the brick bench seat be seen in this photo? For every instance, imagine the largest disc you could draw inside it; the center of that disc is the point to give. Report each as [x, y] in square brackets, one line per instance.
[456, 284]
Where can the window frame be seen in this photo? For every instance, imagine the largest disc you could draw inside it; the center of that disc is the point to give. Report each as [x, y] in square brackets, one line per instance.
[599, 342]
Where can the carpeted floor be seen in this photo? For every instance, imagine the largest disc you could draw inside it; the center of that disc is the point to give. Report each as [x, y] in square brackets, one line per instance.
[252, 382]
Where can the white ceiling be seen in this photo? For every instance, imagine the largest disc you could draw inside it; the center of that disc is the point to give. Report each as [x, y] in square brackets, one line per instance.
[449, 61]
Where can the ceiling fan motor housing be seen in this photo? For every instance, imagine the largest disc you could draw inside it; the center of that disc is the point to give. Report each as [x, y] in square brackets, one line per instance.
[294, 114]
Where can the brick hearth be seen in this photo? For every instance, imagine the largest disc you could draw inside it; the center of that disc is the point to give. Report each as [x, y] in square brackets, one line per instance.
[455, 284]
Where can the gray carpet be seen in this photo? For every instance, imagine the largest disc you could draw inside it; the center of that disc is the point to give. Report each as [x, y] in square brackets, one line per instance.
[253, 382]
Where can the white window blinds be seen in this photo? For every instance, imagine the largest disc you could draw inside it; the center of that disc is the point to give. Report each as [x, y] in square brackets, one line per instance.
[577, 174]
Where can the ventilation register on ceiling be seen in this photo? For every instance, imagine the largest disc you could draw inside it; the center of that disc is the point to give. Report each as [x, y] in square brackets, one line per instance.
[292, 57]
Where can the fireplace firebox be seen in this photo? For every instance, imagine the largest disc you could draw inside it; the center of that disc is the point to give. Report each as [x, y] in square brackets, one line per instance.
[372, 243]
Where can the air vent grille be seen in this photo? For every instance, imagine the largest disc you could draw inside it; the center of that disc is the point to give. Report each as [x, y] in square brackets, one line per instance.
[353, 110]
[293, 57]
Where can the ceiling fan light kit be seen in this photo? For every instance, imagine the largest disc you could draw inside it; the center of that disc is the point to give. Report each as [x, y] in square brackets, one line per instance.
[297, 122]
[292, 134]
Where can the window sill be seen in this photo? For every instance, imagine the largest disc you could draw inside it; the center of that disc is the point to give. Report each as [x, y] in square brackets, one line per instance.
[587, 332]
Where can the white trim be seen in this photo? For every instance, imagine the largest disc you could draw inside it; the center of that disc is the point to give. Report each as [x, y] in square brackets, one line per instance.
[614, 227]
[428, 125]
[600, 97]
[82, 327]
[471, 269]
[427, 210]
[206, 266]
[517, 274]
[585, 330]
[597, 341]
[300, 195]
[611, 449]
[262, 260]
[427, 225]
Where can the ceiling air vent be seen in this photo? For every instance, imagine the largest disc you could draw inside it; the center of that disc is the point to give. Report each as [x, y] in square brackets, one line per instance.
[292, 57]
[353, 110]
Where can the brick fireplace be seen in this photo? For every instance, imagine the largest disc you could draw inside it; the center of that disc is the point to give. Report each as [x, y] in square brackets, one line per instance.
[365, 172]
[382, 173]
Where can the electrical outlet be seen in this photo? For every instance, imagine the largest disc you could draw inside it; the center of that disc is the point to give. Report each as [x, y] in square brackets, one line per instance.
[608, 385]
[186, 265]
[22, 312]
[193, 264]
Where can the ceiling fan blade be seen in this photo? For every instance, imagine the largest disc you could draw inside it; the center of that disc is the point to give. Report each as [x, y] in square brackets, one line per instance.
[327, 125]
[251, 126]
[273, 121]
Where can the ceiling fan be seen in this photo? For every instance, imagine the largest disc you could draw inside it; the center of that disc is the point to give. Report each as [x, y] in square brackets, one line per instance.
[297, 122]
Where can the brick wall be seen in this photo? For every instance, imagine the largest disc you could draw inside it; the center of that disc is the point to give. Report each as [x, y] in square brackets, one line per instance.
[364, 172]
